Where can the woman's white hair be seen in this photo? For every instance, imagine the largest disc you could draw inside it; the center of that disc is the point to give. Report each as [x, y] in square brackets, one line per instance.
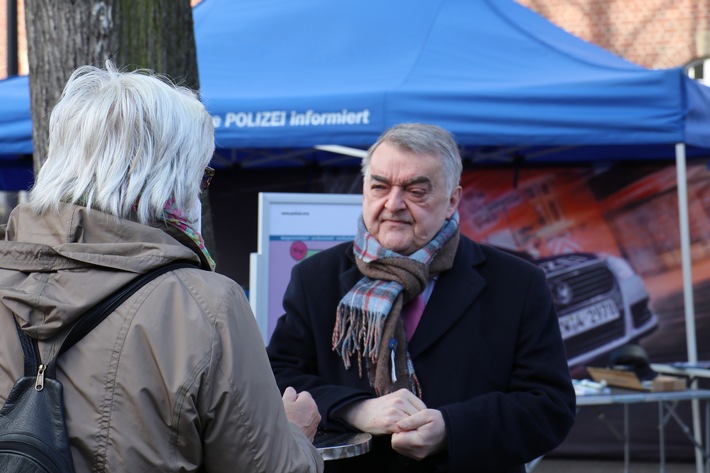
[124, 141]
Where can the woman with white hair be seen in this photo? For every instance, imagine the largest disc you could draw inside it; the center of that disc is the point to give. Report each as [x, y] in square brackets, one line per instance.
[176, 378]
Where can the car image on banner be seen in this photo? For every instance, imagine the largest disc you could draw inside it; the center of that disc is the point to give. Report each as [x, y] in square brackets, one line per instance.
[601, 303]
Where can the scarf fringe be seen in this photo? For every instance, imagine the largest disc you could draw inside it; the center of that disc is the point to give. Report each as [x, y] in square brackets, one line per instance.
[357, 333]
[414, 385]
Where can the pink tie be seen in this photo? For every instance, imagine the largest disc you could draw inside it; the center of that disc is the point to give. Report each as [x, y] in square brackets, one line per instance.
[412, 314]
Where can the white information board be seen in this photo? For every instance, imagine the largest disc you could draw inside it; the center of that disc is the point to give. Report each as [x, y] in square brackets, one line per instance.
[293, 227]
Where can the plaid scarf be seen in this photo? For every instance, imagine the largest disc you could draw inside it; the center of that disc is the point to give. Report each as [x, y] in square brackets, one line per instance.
[368, 323]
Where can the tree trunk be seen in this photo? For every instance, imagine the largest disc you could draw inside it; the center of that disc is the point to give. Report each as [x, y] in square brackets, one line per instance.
[134, 34]
[60, 37]
[159, 35]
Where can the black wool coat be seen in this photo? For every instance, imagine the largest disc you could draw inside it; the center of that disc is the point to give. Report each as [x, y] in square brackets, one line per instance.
[487, 352]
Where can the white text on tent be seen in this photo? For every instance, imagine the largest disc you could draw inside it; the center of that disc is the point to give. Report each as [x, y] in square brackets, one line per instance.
[278, 118]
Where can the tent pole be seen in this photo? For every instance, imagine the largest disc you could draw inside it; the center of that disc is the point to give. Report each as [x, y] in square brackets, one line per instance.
[682, 178]
[685, 252]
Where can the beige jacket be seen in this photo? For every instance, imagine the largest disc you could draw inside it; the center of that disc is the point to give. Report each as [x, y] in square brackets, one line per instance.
[175, 380]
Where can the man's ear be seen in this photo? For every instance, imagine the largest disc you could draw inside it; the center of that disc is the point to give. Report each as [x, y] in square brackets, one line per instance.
[454, 200]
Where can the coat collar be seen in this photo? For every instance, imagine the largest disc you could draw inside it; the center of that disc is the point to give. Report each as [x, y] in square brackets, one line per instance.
[454, 292]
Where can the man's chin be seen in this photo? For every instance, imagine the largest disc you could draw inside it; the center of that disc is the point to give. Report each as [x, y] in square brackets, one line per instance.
[397, 245]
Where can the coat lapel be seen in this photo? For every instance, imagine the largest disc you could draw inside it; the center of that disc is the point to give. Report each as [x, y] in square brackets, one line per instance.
[352, 275]
[453, 294]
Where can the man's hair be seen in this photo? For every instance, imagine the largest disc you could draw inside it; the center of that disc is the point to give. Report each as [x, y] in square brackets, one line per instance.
[124, 140]
[422, 139]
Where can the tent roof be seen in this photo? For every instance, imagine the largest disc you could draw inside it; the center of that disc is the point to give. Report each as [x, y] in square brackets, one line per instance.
[281, 77]
[282, 74]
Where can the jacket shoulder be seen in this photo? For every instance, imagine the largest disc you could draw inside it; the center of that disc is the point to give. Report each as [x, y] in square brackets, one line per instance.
[490, 260]
[211, 290]
[508, 257]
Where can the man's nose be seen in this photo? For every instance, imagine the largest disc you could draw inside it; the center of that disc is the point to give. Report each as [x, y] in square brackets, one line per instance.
[395, 199]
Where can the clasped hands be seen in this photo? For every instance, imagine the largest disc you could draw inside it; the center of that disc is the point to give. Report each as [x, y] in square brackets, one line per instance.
[417, 432]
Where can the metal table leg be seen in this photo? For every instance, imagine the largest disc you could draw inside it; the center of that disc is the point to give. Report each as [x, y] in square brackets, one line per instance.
[707, 436]
[626, 439]
[661, 438]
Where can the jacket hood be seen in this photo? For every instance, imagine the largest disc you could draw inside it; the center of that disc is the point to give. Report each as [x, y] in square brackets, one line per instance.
[45, 260]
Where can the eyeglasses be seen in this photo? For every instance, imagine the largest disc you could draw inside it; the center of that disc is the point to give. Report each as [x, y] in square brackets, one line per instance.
[206, 178]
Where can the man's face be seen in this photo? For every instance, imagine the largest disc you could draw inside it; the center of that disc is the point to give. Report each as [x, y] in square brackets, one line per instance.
[405, 200]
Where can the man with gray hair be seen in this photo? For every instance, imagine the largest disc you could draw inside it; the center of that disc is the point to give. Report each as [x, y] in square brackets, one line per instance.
[176, 378]
[447, 351]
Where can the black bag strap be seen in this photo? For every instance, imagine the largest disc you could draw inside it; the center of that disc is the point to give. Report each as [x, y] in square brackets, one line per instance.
[89, 320]
[29, 350]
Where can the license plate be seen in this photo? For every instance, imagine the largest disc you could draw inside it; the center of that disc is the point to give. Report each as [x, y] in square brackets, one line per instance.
[588, 318]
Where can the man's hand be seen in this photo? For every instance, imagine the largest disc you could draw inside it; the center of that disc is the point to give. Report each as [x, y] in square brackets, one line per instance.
[301, 409]
[420, 435]
[380, 415]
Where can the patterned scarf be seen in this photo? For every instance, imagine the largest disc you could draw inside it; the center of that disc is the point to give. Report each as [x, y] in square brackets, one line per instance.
[179, 219]
[368, 323]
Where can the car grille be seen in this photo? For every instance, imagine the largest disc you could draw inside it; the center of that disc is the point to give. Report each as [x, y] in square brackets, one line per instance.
[584, 284]
[591, 283]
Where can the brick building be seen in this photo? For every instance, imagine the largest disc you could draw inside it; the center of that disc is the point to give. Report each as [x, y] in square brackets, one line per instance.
[22, 52]
[655, 34]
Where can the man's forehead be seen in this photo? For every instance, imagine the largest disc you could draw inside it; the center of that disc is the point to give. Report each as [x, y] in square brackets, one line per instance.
[400, 164]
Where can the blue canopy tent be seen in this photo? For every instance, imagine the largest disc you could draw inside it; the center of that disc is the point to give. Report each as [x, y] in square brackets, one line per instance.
[281, 78]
